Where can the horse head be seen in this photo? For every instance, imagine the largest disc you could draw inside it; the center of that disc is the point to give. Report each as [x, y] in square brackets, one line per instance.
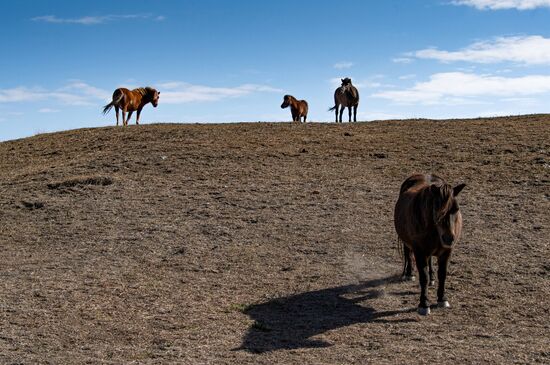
[154, 95]
[346, 81]
[446, 212]
[286, 101]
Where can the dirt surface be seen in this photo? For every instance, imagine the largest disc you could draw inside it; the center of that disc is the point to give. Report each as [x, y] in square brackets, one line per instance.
[269, 244]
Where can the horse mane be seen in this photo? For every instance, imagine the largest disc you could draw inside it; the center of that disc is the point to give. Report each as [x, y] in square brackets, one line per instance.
[443, 194]
[434, 202]
[143, 90]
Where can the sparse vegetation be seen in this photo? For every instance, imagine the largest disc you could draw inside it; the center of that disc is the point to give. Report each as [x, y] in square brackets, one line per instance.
[162, 267]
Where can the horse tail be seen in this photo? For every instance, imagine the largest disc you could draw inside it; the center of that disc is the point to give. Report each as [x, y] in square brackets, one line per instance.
[401, 251]
[115, 101]
[108, 107]
[333, 108]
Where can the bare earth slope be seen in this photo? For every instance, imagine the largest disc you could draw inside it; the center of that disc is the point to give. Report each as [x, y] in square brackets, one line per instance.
[269, 243]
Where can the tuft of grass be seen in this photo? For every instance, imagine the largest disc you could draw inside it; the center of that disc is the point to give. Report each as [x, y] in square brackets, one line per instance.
[240, 307]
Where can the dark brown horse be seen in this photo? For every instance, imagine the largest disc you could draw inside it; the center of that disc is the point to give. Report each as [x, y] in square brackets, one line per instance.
[346, 95]
[298, 108]
[132, 100]
[428, 221]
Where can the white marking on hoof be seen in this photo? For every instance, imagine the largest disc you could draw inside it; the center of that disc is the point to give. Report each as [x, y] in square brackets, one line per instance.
[432, 283]
[408, 278]
[423, 311]
[444, 304]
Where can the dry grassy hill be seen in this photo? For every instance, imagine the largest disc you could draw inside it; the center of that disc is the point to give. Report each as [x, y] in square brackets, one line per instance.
[269, 243]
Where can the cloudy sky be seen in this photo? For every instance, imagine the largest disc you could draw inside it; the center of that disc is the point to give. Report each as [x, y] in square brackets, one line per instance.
[225, 61]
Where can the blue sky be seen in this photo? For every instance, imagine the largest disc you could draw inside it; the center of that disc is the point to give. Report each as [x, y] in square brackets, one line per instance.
[227, 61]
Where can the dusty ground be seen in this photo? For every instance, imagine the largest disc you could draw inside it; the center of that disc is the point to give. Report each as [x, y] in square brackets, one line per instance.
[269, 244]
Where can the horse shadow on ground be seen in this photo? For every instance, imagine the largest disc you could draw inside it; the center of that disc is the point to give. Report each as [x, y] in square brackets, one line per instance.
[291, 322]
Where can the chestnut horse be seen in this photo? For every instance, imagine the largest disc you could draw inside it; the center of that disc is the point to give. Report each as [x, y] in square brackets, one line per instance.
[132, 100]
[346, 95]
[298, 108]
[428, 221]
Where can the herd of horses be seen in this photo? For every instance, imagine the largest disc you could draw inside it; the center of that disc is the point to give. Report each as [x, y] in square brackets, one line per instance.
[427, 217]
[129, 101]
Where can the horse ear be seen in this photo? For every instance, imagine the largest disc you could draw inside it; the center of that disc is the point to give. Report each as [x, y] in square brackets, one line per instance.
[457, 189]
[342, 80]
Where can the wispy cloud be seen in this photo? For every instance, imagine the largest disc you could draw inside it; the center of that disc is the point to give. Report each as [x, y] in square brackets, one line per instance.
[74, 93]
[504, 4]
[98, 19]
[19, 94]
[48, 110]
[372, 82]
[529, 50]
[77, 87]
[176, 92]
[79, 93]
[343, 65]
[457, 88]
[403, 60]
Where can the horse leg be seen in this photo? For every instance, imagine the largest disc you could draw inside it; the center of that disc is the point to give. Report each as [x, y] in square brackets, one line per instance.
[442, 263]
[355, 113]
[129, 116]
[422, 266]
[342, 108]
[349, 112]
[123, 118]
[336, 112]
[116, 111]
[431, 270]
[137, 116]
[407, 269]
[305, 117]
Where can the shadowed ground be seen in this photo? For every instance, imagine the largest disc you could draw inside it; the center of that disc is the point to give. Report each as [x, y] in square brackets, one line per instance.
[292, 322]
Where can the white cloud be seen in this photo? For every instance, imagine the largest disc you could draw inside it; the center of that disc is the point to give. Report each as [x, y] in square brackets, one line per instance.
[458, 88]
[365, 83]
[91, 20]
[79, 93]
[530, 50]
[403, 60]
[82, 88]
[48, 110]
[21, 94]
[176, 92]
[343, 65]
[74, 93]
[504, 4]
[407, 77]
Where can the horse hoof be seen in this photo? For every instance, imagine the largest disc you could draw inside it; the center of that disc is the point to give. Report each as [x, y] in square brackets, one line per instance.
[432, 283]
[408, 278]
[423, 311]
[443, 304]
